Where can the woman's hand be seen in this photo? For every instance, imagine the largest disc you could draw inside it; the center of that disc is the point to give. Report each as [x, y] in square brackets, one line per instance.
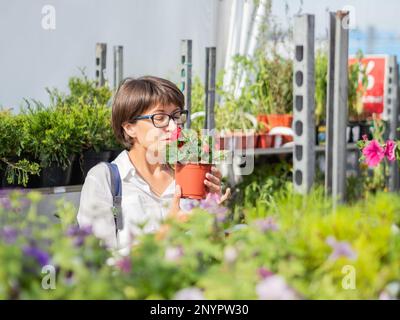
[175, 210]
[213, 184]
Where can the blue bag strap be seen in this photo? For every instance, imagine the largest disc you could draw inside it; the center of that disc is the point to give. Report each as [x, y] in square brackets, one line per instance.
[116, 191]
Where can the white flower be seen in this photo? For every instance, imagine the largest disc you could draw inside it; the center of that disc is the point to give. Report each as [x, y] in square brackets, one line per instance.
[230, 254]
[274, 288]
[173, 254]
[189, 294]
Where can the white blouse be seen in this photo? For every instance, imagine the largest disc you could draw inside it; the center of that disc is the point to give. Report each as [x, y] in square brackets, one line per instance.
[142, 210]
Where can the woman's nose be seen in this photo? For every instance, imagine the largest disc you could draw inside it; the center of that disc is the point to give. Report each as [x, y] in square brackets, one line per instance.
[172, 125]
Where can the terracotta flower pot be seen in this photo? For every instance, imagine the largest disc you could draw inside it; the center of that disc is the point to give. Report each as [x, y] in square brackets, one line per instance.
[191, 178]
[262, 118]
[238, 141]
[243, 140]
[280, 120]
[265, 141]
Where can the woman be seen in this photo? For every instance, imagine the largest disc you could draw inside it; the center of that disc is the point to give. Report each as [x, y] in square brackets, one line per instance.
[141, 118]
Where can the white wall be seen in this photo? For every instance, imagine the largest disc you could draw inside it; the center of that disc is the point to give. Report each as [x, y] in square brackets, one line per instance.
[32, 58]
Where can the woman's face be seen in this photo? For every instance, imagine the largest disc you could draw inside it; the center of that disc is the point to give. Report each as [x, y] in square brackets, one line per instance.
[148, 136]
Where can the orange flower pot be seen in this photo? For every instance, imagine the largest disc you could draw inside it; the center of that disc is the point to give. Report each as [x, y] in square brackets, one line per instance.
[190, 177]
[279, 120]
[265, 141]
[262, 118]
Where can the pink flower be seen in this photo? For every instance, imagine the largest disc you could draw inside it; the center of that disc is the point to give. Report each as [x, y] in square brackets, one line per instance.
[389, 150]
[206, 148]
[365, 137]
[373, 153]
[124, 264]
[176, 134]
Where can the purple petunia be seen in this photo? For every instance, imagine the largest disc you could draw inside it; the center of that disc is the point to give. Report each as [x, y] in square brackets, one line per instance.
[264, 273]
[39, 255]
[9, 234]
[340, 249]
[211, 204]
[79, 233]
[267, 224]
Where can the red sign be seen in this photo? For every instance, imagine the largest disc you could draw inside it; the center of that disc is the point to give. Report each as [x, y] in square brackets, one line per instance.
[375, 69]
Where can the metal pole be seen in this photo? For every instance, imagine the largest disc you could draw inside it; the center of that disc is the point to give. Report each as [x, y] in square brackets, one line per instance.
[304, 103]
[210, 87]
[329, 104]
[186, 76]
[101, 55]
[118, 65]
[340, 112]
[391, 115]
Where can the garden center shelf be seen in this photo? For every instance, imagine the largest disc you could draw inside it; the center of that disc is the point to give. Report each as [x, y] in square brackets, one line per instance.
[286, 150]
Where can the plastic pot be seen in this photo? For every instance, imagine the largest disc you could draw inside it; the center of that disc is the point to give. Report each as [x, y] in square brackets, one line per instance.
[76, 172]
[190, 177]
[54, 175]
[265, 141]
[279, 120]
[91, 158]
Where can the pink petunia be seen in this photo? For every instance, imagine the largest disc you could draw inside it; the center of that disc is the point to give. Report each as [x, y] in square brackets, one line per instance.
[176, 134]
[373, 153]
[390, 150]
[206, 148]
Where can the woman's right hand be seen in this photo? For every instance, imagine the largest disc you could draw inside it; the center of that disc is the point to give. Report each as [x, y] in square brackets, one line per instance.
[175, 209]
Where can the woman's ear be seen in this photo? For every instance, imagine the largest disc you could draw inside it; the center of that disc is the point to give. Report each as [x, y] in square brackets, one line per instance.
[130, 129]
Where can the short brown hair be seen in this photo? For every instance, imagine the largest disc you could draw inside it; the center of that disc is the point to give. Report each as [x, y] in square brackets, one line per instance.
[136, 96]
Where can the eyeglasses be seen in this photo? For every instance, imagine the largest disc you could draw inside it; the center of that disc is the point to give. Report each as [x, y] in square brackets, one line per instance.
[161, 120]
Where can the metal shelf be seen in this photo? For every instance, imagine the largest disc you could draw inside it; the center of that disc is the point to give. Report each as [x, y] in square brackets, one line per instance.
[286, 150]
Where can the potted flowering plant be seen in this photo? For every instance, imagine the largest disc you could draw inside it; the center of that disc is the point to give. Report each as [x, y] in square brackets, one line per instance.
[374, 152]
[192, 154]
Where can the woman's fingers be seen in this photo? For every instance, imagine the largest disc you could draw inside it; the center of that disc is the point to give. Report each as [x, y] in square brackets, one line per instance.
[215, 171]
[226, 196]
[212, 187]
[214, 179]
[175, 205]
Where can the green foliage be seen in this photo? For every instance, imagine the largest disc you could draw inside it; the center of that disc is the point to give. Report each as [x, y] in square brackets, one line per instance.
[54, 135]
[194, 147]
[357, 84]
[321, 67]
[82, 90]
[298, 239]
[261, 188]
[13, 138]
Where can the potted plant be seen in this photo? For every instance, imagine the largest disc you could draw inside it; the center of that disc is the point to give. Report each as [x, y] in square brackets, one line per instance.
[89, 105]
[268, 90]
[16, 167]
[192, 154]
[54, 139]
[97, 140]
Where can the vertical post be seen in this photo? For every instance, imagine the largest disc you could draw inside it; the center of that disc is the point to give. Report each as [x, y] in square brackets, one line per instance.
[101, 56]
[210, 87]
[329, 104]
[304, 103]
[186, 76]
[391, 115]
[340, 105]
[118, 65]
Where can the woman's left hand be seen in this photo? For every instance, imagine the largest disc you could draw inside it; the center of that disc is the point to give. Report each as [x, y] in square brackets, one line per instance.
[213, 184]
